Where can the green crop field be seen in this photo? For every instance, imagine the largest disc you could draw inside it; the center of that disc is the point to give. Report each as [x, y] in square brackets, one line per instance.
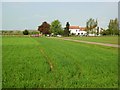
[53, 63]
[101, 39]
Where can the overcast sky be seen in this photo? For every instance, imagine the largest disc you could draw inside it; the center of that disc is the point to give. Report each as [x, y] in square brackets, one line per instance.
[29, 15]
[60, 0]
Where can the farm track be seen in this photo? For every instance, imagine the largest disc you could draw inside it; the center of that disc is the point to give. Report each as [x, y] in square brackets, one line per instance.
[81, 41]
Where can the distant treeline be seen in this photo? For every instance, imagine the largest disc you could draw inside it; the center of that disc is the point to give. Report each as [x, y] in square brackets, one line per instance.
[19, 32]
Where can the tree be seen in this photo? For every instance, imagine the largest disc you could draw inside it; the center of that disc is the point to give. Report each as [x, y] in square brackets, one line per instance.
[66, 31]
[56, 28]
[91, 24]
[44, 28]
[104, 32]
[113, 27]
[97, 31]
[25, 32]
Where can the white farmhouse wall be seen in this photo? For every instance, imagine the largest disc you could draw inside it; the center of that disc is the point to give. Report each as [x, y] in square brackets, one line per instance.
[77, 32]
[83, 33]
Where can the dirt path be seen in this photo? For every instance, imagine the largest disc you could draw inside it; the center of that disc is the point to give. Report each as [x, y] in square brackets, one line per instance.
[103, 44]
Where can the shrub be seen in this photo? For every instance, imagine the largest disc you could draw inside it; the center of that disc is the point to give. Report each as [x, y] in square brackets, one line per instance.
[25, 32]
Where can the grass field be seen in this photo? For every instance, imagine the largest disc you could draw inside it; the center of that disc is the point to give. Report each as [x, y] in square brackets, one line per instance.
[103, 39]
[47, 62]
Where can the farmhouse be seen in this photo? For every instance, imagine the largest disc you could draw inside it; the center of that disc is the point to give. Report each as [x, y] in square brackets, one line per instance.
[77, 30]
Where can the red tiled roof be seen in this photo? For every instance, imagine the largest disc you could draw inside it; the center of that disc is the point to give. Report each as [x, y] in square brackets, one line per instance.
[74, 27]
[77, 27]
[82, 28]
